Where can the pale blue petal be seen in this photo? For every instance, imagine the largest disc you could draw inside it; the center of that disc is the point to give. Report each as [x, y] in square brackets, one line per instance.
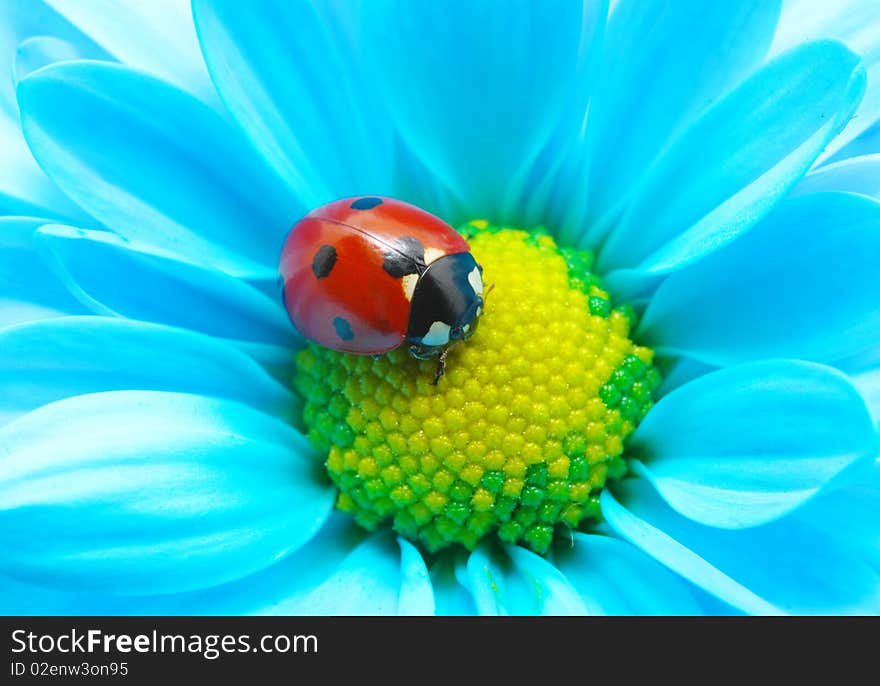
[336, 572]
[854, 22]
[851, 21]
[162, 168]
[40, 51]
[663, 63]
[868, 383]
[554, 193]
[867, 114]
[677, 371]
[515, 581]
[21, 598]
[49, 360]
[23, 19]
[853, 175]
[475, 86]
[380, 577]
[273, 590]
[277, 360]
[412, 181]
[864, 370]
[734, 163]
[802, 284]
[28, 289]
[666, 549]
[866, 144]
[139, 492]
[789, 565]
[451, 597]
[849, 513]
[616, 578]
[112, 276]
[262, 593]
[745, 445]
[156, 36]
[292, 78]
[24, 187]
[416, 594]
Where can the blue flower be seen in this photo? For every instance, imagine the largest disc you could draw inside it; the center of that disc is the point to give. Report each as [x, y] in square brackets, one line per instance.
[721, 158]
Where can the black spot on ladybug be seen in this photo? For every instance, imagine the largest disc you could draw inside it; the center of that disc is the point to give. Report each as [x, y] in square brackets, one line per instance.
[323, 261]
[343, 329]
[408, 257]
[366, 203]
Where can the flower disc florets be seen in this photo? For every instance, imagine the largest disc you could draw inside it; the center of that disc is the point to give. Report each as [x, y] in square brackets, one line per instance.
[522, 432]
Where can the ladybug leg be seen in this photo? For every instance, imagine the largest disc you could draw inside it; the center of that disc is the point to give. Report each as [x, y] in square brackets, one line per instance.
[441, 366]
[441, 362]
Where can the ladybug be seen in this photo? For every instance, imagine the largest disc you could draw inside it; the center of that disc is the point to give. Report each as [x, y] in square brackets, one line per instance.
[362, 275]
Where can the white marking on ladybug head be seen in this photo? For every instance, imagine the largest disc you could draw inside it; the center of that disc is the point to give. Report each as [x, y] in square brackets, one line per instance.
[476, 281]
[433, 254]
[409, 285]
[438, 334]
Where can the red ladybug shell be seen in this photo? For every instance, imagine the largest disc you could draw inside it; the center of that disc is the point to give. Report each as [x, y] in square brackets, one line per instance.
[349, 269]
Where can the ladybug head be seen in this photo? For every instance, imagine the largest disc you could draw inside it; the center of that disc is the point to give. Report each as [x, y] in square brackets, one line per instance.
[446, 305]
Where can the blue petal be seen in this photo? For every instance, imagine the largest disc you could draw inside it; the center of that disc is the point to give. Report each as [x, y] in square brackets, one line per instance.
[412, 181]
[162, 168]
[803, 284]
[336, 572]
[674, 554]
[616, 578]
[382, 576]
[864, 370]
[20, 598]
[58, 358]
[149, 492]
[788, 565]
[854, 175]
[867, 143]
[554, 193]
[849, 513]
[743, 446]
[518, 582]
[24, 187]
[40, 51]
[23, 19]
[677, 371]
[481, 100]
[449, 578]
[854, 22]
[28, 289]
[156, 36]
[110, 275]
[265, 592]
[291, 77]
[735, 162]
[416, 594]
[662, 64]
[868, 383]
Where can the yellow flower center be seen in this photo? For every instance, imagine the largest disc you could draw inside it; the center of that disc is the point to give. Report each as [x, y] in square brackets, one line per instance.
[522, 432]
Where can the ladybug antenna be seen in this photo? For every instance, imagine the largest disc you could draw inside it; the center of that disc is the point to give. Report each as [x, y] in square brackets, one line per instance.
[488, 290]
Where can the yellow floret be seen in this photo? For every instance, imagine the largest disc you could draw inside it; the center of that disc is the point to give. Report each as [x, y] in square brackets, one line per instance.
[519, 436]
